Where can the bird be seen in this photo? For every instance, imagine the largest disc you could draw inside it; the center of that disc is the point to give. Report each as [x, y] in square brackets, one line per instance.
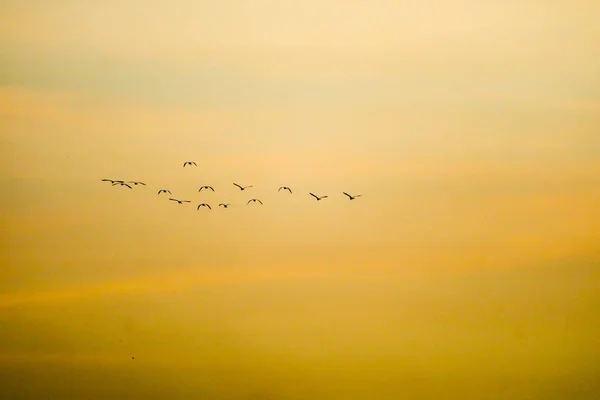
[137, 183]
[121, 183]
[180, 201]
[351, 197]
[242, 187]
[203, 205]
[254, 200]
[190, 163]
[285, 188]
[164, 191]
[206, 187]
[317, 197]
[111, 181]
[224, 205]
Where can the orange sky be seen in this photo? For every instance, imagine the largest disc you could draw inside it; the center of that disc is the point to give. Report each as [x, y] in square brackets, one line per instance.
[470, 129]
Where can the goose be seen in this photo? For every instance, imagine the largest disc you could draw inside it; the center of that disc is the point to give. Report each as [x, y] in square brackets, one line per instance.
[351, 197]
[285, 188]
[121, 183]
[164, 191]
[111, 181]
[254, 200]
[206, 187]
[203, 205]
[180, 201]
[224, 205]
[317, 197]
[190, 163]
[137, 183]
[242, 187]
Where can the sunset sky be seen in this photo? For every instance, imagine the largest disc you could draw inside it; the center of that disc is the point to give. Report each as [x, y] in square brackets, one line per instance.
[468, 269]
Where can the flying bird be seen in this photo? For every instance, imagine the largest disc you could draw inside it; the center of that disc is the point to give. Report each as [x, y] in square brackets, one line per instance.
[285, 188]
[317, 197]
[121, 183]
[137, 183]
[206, 187]
[254, 200]
[351, 197]
[190, 163]
[111, 181]
[164, 191]
[242, 187]
[224, 205]
[180, 201]
[203, 205]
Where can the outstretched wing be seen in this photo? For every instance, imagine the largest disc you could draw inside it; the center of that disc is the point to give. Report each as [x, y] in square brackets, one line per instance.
[358, 195]
[289, 190]
[199, 205]
[259, 201]
[173, 199]
[280, 188]
[249, 201]
[347, 194]
[208, 205]
[237, 185]
[186, 201]
[211, 188]
[194, 163]
[313, 195]
[142, 183]
[324, 197]
[168, 191]
[124, 184]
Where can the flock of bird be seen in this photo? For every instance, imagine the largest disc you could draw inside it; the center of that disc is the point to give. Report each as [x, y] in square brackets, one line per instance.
[130, 184]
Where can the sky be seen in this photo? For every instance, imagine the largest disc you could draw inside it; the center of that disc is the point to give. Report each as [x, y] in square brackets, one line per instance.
[469, 268]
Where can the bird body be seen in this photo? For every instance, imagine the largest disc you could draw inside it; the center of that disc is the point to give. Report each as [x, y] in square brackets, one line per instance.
[206, 187]
[253, 201]
[351, 197]
[224, 205]
[180, 201]
[285, 188]
[203, 205]
[242, 187]
[317, 197]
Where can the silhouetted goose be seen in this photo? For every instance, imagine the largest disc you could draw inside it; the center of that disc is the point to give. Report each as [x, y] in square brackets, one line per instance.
[317, 197]
[164, 191]
[203, 205]
[351, 197]
[285, 188]
[137, 183]
[242, 187]
[206, 187]
[180, 201]
[189, 163]
[224, 205]
[254, 200]
[121, 183]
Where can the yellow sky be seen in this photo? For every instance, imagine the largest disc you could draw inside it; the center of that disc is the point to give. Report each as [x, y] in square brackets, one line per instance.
[469, 268]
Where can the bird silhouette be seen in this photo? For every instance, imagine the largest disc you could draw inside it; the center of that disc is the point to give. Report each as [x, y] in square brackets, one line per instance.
[206, 187]
[224, 205]
[242, 187]
[137, 183]
[111, 181]
[254, 200]
[180, 201]
[285, 188]
[190, 163]
[317, 197]
[203, 205]
[121, 183]
[164, 191]
[351, 197]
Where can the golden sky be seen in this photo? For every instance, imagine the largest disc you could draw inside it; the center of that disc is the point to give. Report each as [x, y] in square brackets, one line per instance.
[469, 268]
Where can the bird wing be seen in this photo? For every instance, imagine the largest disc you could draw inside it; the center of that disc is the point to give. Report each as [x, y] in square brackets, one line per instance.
[107, 180]
[289, 190]
[199, 205]
[316, 197]
[248, 201]
[173, 199]
[358, 195]
[211, 188]
[186, 201]
[237, 185]
[208, 207]
[160, 191]
[324, 197]
[346, 194]
[280, 188]
[168, 191]
[259, 201]
[142, 183]
[194, 163]
[250, 186]
[124, 184]
[185, 163]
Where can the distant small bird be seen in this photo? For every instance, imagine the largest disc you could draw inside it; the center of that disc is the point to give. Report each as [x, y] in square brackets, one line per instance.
[254, 200]
[137, 183]
[224, 205]
[317, 197]
[180, 201]
[190, 163]
[111, 181]
[206, 187]
[351, 197]
[164, 191]
[121, 183]
[242, 187]
[285, 188]
[203, 205]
